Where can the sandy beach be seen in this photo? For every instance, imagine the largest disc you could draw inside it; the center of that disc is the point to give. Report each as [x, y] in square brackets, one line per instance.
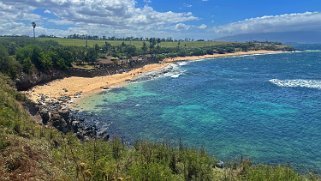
[72, 86]
[176, 59]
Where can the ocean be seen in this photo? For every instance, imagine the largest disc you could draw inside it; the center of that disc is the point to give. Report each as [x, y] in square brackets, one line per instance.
[266, 108]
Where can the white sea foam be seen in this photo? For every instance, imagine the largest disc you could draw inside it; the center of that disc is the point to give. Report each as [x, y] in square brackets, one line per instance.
[312, 84]
[173, 70]
[312, 51]
[306, 51]
[183, 63]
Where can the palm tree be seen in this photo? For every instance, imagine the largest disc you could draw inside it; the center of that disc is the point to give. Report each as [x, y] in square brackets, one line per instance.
[34, 26]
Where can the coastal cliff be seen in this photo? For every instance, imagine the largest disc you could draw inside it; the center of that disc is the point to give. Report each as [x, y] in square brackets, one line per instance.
[36, 77]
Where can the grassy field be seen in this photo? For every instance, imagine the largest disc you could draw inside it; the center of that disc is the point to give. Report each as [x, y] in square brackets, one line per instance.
[138, 44]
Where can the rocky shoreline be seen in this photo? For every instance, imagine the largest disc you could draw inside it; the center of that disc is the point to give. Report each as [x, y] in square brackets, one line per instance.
[58, 114]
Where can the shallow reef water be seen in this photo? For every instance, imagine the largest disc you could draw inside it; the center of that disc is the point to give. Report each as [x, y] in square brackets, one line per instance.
[266, 108]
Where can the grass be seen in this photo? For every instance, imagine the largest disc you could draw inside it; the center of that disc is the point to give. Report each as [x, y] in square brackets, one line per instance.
[138, 44]
[83, 67]
[30, 151]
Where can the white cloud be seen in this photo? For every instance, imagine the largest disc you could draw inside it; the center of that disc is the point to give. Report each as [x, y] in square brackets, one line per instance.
[202, 26]
[181, 26]
[108, 16]
[308, 21]
[187, 5]
[47, 11]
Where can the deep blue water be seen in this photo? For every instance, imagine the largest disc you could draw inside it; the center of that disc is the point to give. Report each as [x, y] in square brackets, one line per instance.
[266, 107]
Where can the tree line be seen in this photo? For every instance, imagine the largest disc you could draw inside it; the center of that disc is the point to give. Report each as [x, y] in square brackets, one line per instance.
[24, 54]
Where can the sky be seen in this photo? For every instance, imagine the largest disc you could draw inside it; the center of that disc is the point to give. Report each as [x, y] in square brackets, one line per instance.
[179, 19]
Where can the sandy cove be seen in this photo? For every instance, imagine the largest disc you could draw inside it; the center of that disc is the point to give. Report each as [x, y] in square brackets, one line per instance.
[71, 86]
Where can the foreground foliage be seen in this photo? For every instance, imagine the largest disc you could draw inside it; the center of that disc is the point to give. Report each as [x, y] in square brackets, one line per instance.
[30, 151]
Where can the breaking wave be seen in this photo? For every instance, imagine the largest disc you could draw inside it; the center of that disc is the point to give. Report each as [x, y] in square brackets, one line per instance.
[312, 84]
[172, 70]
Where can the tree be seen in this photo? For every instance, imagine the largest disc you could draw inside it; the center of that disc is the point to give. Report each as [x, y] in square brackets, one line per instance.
[34, 26]
[130, 50]
[12, 48]
[144, 48]
[91, 55]
[178, 45]
[152, 43]
[8, 65]
[36, 57]
[4, 59]
[107, 47]
[97, 48]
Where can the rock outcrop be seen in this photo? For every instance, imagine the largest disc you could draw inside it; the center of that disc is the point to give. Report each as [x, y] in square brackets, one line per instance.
[56, 113]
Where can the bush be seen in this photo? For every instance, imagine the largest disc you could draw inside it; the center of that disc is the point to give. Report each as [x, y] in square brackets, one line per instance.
[269, 173]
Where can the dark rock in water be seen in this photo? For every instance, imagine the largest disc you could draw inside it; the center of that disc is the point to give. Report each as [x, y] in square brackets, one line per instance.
[90, 131]
[64, 114]
[220, 164]
[104, 135]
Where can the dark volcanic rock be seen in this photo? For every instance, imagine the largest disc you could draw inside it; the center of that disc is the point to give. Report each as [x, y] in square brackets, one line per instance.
[55, 116]
[104, 135]
[66, 120]
[64, 114]
[45, 115]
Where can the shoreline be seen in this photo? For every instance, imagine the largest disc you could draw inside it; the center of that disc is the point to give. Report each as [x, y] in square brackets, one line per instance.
[235, 54]
[79, 87]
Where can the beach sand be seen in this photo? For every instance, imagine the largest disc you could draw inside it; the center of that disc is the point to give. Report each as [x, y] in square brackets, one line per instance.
[71, 86]
[176, 59]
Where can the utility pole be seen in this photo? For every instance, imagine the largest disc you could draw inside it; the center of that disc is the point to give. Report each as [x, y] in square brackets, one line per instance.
[34, 26]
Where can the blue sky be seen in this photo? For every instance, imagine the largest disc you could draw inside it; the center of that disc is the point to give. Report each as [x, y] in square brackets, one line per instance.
[218, 12]
[208, 19]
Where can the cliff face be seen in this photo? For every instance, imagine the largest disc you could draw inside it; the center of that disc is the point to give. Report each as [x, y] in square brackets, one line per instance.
[26, 81]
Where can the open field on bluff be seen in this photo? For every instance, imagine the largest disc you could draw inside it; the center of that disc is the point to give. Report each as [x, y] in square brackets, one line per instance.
[138, 44]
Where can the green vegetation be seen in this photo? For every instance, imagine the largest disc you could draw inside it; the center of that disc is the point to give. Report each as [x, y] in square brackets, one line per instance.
[30, 151]
[136, 43]
[28, 55]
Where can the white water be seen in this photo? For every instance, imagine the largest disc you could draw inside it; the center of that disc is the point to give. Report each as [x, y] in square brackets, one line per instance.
[173, 70]
[312, 84]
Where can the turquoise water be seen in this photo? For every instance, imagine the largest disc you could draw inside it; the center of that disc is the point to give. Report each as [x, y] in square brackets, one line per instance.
[266, 108]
